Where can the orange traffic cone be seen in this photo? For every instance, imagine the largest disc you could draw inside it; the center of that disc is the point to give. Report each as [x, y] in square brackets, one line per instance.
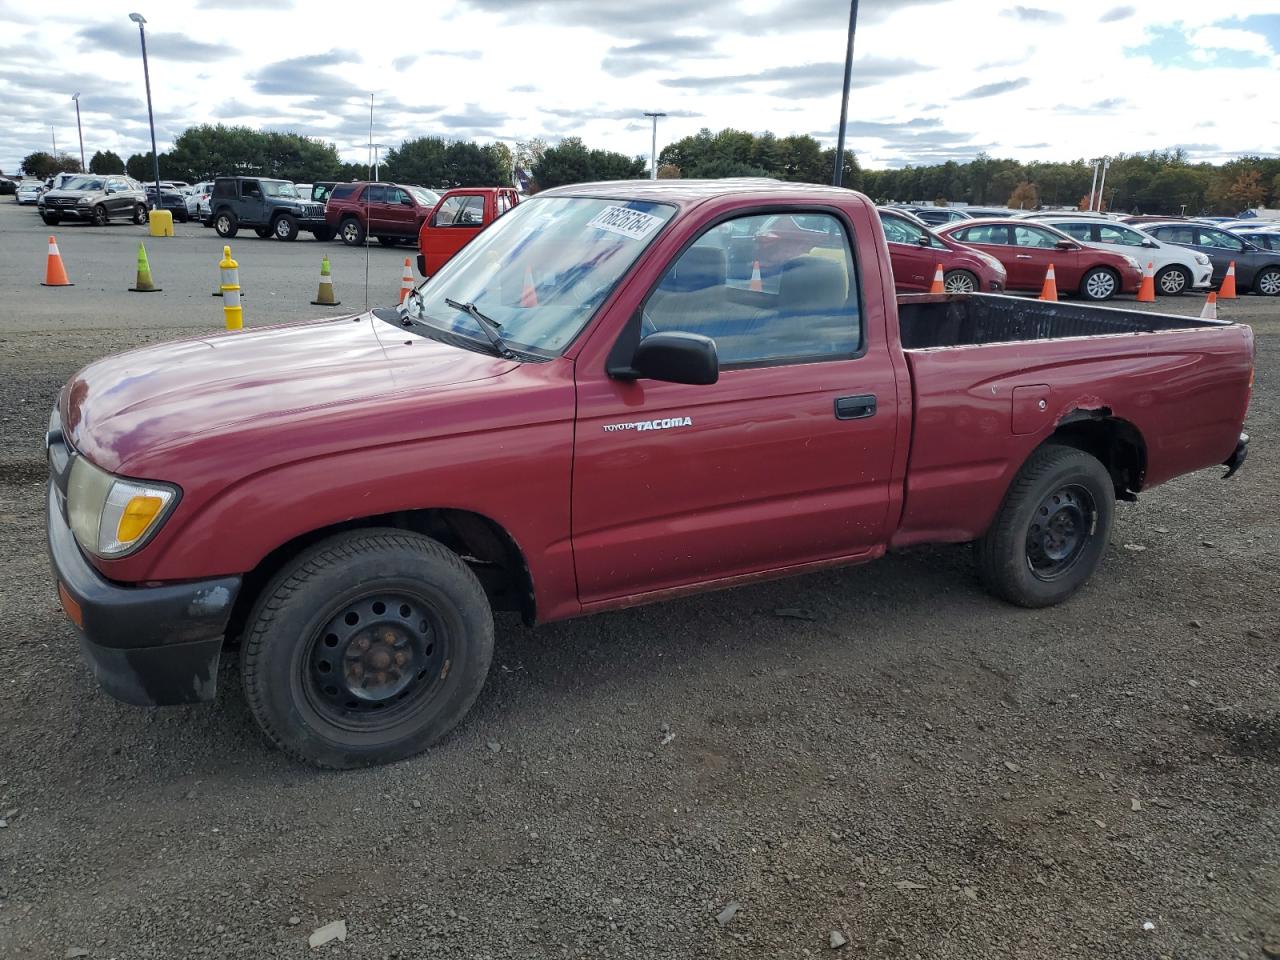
[1050, 289]
[406, 281]
[1210, 311]
[938, 285]
[1225, 292]
[756, 283]
[1147, 291]
[529, 295]
[55, 274]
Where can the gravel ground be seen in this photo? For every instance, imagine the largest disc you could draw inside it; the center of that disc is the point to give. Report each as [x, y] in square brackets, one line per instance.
[910, 767]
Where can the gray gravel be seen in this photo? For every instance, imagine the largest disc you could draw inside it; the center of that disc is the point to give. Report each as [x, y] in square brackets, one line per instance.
[910, 765]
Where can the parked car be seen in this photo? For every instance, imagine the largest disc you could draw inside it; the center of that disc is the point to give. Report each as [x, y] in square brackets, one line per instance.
[916, 253]
[337, 495]
[1027, 248]
[197, 201]
[272, 208]
[1177, 269]
[1265, 238]
[936, 216]
[170, 199]
[458, 216]
[28, 191]
[1257, 269]
[96, 199]
[391, 212]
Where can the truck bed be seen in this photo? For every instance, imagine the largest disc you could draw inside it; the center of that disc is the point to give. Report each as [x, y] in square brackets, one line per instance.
[956, 320]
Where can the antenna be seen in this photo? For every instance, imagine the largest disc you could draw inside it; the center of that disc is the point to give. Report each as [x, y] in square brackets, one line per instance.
[368, 211]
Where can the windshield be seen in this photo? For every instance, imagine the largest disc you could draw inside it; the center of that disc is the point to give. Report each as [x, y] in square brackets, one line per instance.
[541, 270]
[84, 183]
[428, 198]
[277, 188]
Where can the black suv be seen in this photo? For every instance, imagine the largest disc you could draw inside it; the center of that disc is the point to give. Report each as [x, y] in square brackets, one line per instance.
[271, 207]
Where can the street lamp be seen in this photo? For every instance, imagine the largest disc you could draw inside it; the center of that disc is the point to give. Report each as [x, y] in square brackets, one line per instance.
[1102, 187]
[140, 20]
[375, 147]
[80, 132]
[653, 151]
[838, 178]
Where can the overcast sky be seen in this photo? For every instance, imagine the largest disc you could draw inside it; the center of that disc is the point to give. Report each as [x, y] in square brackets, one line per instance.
[933, 79]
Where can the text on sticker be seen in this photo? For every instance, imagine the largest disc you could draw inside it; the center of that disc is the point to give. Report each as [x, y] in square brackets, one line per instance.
[625, 222]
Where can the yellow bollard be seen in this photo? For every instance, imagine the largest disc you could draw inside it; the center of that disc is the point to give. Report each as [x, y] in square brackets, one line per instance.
[161, 222]
[232, 312]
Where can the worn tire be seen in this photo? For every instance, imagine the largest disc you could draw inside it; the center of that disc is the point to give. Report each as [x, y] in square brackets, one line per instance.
[1004, 554]
[282, 642]
[226, 224]
[285, 227]
[351, 231]
[1173, 281]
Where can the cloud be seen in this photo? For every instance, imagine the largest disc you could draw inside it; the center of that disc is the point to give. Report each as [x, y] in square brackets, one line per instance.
[623, 61]
[887, 130]
[599, 113]
[994, 89]
[123, 39]
[1034, 15]
[307, 76]
[1117, 13]
[803, 81]
[244, 4]
[1111, 103]
[472, 118]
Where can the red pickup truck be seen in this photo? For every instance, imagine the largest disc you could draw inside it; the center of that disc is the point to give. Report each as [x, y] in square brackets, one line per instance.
[583, 411]
[458, 216]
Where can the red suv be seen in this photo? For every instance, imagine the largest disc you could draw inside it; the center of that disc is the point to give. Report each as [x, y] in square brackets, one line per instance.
[392, 212]
[1027, 249]
[916, 252]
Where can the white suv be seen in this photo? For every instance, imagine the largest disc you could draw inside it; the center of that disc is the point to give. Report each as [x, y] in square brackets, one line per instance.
[1177, 268]
[198, 202]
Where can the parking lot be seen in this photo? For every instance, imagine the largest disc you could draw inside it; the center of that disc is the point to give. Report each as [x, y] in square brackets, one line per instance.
[884, 752]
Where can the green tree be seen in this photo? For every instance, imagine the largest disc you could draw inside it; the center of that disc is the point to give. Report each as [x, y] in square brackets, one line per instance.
[140, 167]
[106, 162]
[470, 165]
[570, 162]
[421, 161]
[668, 171]
[39, 164]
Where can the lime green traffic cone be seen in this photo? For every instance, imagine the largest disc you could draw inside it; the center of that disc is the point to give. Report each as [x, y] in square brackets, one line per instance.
[144, 284]
[324, 296]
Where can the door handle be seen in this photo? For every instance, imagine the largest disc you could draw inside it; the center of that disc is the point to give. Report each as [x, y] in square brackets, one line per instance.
[1024, 256]
[856, 408]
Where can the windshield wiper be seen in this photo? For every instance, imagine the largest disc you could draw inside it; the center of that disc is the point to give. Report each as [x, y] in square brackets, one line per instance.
[490, 327]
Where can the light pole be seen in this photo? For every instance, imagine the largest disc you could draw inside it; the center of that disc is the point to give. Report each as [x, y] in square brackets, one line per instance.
[653, 150]
[81, 133]
[140, 20]
[1102, 187]
[838, 179]
[1093, 190]
[375, 147]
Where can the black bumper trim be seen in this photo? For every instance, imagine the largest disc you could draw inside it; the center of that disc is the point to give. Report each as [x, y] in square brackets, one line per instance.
[146, 645]
[1237, 458]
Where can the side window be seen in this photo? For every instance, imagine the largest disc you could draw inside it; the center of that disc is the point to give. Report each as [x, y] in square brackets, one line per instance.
[472, 212]
[803, 307]
[343, 191]
[1122, 236]
[250, 187]
[905, 231]
[376, 193]
[1175, 234]
[448, 211]
[504, 203]
[992, 233]
[1031, 237]
[1080, 231]
[1219, 240]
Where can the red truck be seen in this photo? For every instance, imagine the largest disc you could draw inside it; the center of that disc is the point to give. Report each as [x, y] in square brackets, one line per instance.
[583, 411]
[458, 216]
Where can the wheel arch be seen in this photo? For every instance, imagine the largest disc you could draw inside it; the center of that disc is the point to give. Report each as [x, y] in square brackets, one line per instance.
[487, 548]
[1114, 441]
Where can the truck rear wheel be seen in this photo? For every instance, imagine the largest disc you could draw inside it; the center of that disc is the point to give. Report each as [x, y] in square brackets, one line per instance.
[367, 648]
[1051, 531]
[351, 232]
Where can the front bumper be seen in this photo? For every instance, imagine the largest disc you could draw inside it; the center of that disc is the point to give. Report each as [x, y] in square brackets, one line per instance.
[150, 646]
[1238, 457]
[68, 213]
[1203, 277]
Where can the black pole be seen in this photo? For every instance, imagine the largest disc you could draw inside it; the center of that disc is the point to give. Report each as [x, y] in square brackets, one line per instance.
[146, 73]
[838, 179]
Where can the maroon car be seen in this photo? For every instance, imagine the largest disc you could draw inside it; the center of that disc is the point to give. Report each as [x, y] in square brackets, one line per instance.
[916, 252]
[392, 212]
[1027, 249]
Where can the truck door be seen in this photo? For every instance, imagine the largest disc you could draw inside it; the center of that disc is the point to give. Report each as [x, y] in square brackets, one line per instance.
[785, 461]
[457, 218]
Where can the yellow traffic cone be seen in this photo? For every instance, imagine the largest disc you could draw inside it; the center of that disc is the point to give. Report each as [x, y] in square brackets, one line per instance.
[144, 284]
[324, 296]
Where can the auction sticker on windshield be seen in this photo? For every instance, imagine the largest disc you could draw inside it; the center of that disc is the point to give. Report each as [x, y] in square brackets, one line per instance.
[626, 222]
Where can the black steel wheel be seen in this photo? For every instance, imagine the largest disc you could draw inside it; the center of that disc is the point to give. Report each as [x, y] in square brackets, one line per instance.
[1051, 531]
[368, 648]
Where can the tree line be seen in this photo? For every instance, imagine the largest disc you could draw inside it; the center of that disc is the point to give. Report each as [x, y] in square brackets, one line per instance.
[1156, 182]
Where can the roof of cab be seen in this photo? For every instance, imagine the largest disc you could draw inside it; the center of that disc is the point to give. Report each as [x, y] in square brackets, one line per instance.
[689, 192]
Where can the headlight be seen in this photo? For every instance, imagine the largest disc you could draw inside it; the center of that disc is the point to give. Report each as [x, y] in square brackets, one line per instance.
[1202, 259]
[112, 517]
[83, 202]
[1133, 263]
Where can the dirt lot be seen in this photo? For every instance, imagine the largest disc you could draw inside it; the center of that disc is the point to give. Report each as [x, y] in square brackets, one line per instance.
[926, 771]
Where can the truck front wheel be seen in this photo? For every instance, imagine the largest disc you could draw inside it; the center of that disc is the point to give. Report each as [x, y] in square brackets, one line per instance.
[1051, 531]
[367, 648]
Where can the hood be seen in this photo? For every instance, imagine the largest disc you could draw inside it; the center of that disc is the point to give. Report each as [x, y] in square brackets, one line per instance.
[73, 194]
[152, 400]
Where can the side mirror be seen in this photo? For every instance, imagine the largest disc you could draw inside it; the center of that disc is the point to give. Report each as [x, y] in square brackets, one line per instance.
[406, 201]
[1065, 245]
[1150, 243]
[677, 358]
[922, 241]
